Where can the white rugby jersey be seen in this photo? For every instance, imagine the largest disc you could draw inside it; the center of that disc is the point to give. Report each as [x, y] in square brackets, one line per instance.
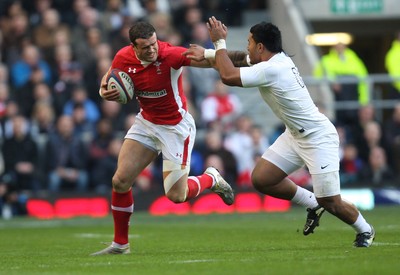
[283, 89]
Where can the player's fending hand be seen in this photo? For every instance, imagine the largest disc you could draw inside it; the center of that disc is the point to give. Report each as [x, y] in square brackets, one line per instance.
[195, 52]
[217, 29]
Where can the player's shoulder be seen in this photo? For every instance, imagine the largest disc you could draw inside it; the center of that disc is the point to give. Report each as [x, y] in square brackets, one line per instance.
[124, 56]
[167, 49]
[125, 52]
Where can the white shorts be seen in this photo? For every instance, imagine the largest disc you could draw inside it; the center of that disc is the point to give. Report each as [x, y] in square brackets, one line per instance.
[319, 151]
[175, 142]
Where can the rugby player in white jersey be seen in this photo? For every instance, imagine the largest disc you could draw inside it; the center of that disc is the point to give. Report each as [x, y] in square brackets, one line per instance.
[309, 139]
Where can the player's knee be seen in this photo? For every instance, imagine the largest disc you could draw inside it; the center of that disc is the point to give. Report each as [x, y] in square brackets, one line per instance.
[259, 182]
[176, 197]
[331, 204]
[121, 184]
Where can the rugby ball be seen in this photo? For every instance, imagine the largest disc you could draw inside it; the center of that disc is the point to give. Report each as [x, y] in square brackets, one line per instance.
[123, 83]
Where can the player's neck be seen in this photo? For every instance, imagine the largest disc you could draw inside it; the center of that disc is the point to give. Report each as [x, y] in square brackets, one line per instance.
[143, 62]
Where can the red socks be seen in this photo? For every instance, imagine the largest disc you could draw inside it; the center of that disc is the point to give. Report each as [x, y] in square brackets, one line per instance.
[197, 185]
[122, 209]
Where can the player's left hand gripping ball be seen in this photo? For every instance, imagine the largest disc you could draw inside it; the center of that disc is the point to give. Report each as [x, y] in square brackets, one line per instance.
[123, 83]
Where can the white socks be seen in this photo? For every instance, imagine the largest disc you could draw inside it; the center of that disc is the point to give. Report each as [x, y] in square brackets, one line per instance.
[305, 198]
[361, 225]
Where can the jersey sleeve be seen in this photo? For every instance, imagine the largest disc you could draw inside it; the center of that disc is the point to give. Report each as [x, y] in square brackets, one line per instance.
[176, 58]
[253, 76]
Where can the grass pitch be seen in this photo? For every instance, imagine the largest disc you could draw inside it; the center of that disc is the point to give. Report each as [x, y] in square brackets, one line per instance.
[261, 243]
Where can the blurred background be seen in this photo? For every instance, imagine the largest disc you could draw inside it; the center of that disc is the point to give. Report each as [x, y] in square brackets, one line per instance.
[60, 141]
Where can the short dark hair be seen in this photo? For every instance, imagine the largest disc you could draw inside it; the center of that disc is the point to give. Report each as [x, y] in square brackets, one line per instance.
[269, 35]
[140, 30]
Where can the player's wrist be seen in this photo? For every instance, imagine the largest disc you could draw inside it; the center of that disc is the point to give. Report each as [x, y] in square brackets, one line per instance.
[248, 61]
[220, 44]
[209, 53]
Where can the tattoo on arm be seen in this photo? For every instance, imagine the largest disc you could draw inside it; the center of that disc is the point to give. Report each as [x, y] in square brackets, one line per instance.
[238, 58]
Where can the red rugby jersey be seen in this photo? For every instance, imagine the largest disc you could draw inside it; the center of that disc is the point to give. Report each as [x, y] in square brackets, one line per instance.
[158, 86]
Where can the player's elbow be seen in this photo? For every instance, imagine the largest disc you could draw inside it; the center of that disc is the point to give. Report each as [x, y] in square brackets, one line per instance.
[231, 81]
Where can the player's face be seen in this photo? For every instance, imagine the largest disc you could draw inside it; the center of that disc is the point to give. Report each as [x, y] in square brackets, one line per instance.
[147, 49]
[253, 49]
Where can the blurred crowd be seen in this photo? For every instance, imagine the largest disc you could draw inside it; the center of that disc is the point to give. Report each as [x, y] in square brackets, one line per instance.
[57, 135]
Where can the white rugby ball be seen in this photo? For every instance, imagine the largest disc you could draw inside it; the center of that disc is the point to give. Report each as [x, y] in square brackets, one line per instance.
[123, 83]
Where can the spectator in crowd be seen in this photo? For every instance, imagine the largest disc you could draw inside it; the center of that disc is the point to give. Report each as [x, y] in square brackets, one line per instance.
[66, 158]
[355, 131]
[80, 97]
[72, 9]
[372, 137]
[12, 202]
[36, 10]
[4, 97]
[43, 35]
[113, 111]
[85, 34]
[42, 125]
[104, 166]
[16, 33]
[20, 156]
[392, 64]
[221, 105]
[112, 17]
[350, 165]
[30, 70]
[42, 93]
[12, 110]
[141, 10]
[98, 147]
[343, 64]
[213, 145]
[83, 127]
[43, 119]
[4, 74]
[121, 38]
[240, 143]
[392, 137]
[200, 36]
[162, 22]
[69, 73]
[260, 140]
[192, 15]
[377, 172]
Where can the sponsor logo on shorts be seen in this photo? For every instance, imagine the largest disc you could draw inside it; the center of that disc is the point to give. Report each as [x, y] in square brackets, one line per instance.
[323, 167]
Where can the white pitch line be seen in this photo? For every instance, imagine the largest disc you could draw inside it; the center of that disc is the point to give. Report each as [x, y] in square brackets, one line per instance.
[385, 244]
[95, 236]
[192, 261]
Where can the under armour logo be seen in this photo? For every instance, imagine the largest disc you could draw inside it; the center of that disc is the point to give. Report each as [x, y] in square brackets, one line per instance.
[130, 70]
[178, 155]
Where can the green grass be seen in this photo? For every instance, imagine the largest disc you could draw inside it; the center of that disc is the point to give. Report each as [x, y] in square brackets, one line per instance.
[262, 243]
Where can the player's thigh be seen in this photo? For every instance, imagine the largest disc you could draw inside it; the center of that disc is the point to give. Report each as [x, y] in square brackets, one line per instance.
[326, 186]
[133, 158]
[177, 143]
[266, 173]
[279, 160]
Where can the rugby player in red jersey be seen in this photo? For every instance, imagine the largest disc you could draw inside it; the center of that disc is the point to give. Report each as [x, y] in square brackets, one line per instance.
[163, 125]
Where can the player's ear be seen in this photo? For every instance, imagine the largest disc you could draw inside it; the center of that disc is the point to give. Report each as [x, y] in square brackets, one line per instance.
[260, 47]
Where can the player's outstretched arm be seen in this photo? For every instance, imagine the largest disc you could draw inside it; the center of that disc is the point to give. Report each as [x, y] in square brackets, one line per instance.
[199, 54]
